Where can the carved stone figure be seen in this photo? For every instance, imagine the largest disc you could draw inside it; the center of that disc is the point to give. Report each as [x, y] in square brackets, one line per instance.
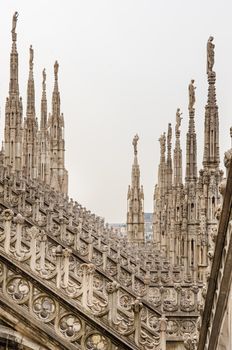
[31, 56]
[210, 55]
[44, 78]
[178, 119]
[14, 23]
[169, 137]
[192, 99]
[56, 68]
[135, 143]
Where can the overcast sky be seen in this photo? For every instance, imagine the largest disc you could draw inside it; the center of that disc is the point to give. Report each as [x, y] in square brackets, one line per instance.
[125, 66]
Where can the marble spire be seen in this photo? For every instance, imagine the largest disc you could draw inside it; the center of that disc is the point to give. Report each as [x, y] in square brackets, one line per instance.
[43, 120]
[13, 110]
[30, 159]
[191, 138]
[31, 87]
[211, 132]
[135, 199]
[169, 158]
[177, 151]
[56, 93]
[59, 175]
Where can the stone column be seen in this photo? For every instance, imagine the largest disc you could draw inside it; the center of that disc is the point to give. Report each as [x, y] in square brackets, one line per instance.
[137, 307]
[33, 233]
[19, 220]
[7, 217]
[163, 331]
[59, 252]
[112, 289]
[66, 254]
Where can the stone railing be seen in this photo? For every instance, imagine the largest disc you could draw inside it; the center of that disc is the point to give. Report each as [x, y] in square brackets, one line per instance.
[41, 306]
[166, 289]
[73, 214]
[139, 258]
[34, 251]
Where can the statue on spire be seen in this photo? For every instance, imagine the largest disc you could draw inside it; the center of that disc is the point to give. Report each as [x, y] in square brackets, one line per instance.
[56, 67]
[178, 119]
[14, 23]
[134, 143]
[169, 134]
[210, 55]
[31, 57]
[44, 78]
[192, 98]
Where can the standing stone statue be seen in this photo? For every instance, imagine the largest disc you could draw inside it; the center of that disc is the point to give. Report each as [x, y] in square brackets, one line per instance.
[178, 119]
[134, 143]
[169, 136]
[192, 99]
[44, 78]
[14, 23]
[31, 56]
[56, 67]
[210, 55]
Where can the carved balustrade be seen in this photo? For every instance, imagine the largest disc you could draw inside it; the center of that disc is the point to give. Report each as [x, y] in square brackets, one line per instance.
[79, 236]
[77, 281]
[69, 329]
[145, 273]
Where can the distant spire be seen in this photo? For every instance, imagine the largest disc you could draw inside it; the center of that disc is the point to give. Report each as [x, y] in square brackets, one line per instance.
[169, 157]
[211, 137]
[191, 139]
[13, 110]
[162, 165]
[135, 168]
[14, 86]
[178, 151]
[30, 127]
[56, 94]
[59, 175]
[31, 87]
[43, 121]
[135, 197]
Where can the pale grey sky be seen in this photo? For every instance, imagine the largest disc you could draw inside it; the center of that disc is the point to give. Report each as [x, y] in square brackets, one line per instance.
[125, 67]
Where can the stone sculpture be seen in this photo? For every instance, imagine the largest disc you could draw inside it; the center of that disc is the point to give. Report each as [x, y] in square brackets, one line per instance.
[192, 98]
[178, 119]
[135, 143]
[14, 23]
[210, 55]
[56, 68]
[31, 56]
[44, 78]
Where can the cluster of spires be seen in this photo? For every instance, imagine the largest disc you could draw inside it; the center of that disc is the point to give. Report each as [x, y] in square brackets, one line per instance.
[35, 152]
[183, 212]
[183, 217]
